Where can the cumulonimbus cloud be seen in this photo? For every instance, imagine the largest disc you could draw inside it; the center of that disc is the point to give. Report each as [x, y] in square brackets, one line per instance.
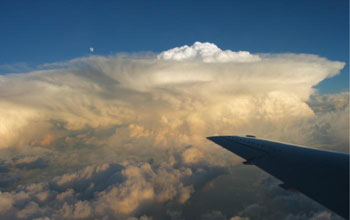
[165, 98]
[107, 110]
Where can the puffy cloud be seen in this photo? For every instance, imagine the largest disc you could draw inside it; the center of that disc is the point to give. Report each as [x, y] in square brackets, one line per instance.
[329, 128]
[28, 162]
[10, 168]
[192, 155]
[107, 190]
[329, 103]
[207, 52]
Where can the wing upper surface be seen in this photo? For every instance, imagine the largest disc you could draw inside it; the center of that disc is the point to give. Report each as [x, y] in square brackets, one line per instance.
[321, 175]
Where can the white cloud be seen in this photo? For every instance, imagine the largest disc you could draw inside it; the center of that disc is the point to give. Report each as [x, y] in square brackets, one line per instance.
[208, 53]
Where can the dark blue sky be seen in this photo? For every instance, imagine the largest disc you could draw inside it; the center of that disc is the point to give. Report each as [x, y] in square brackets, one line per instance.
[36, 32]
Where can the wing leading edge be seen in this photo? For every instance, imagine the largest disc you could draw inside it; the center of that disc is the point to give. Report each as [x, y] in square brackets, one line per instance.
[321, 175]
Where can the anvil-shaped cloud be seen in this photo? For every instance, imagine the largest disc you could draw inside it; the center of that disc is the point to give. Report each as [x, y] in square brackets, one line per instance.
[180, 96]
[144, 119]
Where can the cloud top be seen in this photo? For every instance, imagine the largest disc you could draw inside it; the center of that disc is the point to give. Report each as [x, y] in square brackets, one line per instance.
[208, 53]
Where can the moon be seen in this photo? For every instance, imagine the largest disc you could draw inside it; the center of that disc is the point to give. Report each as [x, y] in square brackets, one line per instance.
[91, 49]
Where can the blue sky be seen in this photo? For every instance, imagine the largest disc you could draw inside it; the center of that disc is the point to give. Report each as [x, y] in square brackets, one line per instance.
[38, 32]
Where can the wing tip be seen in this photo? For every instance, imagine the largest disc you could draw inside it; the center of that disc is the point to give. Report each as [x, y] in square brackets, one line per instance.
[213, 138]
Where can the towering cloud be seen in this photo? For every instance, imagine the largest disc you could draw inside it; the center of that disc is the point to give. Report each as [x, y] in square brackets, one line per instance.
[208, 53]
[135, 127]
[168, 99]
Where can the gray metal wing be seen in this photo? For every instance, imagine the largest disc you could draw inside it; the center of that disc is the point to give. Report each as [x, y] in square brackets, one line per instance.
[321, 175]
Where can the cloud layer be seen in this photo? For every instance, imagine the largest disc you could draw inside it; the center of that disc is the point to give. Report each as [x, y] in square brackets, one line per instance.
[108, 191]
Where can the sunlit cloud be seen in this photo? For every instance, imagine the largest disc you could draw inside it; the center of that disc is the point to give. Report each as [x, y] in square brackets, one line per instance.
[118, 136]
[166, 100]
[111, 191]
[208, 53]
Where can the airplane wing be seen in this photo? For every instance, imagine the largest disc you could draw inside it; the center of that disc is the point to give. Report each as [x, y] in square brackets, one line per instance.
[321, 175]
